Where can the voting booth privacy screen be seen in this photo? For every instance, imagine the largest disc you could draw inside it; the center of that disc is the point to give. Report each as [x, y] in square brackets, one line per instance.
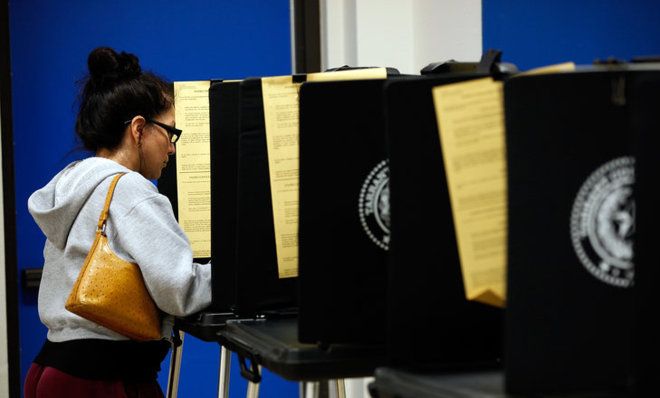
[573, 150]
[224, 125]
[258, 285]
[429, 320]
[344, 214]
[645, 124]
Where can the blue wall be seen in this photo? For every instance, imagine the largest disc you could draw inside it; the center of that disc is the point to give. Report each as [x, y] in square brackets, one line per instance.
[180, 40]
[537, 33]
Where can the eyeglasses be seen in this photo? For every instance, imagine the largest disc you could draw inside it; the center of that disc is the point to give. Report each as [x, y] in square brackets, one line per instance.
[173, 133]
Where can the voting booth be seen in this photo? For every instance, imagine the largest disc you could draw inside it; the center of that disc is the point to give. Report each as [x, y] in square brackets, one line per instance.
[430, 322]
[645, 123]
[258, 284]
[344, 211]
[205, 173]
[268, 201]
[221, 170]
[572, 144]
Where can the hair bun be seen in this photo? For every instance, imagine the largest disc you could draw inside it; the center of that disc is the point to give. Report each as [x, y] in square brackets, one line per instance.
[105, 65]
[129, 65]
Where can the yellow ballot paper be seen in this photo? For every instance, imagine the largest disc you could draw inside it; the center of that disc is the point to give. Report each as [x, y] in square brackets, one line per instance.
[563, 67]
[193, 165]
[280, 100]
[280, 96]
[355, 74]
[470, 119]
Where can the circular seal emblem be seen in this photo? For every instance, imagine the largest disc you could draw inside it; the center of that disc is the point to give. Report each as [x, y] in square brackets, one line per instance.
[374, 205]
[603, 222]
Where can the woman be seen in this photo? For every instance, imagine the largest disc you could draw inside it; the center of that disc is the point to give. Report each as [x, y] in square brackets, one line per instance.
[126, 118]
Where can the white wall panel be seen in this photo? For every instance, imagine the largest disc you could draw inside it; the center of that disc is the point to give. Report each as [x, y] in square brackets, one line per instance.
[405, 34]
[446, 29]
[338, 45]
[385, 33]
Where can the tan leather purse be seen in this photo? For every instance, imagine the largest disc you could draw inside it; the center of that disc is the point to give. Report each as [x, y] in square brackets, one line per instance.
[110, 291]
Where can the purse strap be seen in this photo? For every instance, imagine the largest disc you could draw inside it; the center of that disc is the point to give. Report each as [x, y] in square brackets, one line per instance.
[100, 227]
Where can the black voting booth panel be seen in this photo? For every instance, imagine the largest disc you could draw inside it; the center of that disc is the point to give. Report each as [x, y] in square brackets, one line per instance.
[645, 121]
[570, 152]
[167, 184]
[342, 247]
[430, 323]
[224, 127]
[257, 286]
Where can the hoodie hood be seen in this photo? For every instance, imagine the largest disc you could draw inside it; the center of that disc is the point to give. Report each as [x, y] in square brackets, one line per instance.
[56, 206]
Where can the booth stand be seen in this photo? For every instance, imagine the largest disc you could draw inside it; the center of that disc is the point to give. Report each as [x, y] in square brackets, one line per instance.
[205, 326]
[272, 343]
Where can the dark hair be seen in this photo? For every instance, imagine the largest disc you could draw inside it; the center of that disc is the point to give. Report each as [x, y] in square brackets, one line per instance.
[115, 91]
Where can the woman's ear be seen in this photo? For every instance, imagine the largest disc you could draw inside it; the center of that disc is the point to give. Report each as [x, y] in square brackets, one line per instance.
[136, 128]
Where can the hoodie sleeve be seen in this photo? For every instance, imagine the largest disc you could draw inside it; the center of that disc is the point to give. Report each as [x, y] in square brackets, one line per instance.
[150, 234]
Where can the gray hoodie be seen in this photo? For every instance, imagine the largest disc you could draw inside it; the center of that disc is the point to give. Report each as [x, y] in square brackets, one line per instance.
[141, 228]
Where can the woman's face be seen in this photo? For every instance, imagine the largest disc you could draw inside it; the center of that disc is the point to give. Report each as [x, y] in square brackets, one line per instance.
[156, 146]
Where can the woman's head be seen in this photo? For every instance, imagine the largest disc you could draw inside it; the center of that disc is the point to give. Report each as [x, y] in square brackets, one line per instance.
[115, 91]
[126, 114]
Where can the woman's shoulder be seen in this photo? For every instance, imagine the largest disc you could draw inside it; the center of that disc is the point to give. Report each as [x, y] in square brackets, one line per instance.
[133, 183]
[133, 189]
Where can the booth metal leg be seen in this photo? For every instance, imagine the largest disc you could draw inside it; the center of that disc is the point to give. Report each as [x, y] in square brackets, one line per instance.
[336, 388]
[310, 389]
[253, 388]
[224, 372]
[341, 388]
[175, 369]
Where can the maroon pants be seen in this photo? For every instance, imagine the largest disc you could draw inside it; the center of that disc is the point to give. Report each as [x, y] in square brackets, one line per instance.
[46, 382]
